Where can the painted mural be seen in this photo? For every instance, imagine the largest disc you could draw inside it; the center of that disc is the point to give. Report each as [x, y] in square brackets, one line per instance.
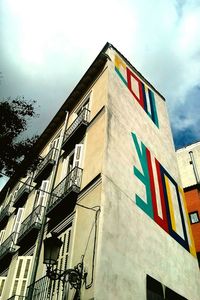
[141, 92]
[164, 200]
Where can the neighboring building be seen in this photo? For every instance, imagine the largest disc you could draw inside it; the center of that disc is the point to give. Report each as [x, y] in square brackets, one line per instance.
[108, 185]
[189, 167]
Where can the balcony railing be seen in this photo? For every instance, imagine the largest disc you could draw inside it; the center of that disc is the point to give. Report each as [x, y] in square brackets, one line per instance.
[9, 245]
[17, 297]
[46, 164]
[79, 123]
[32, 222]
[22, 193]
[5, 213]
[70, 184]
[42, 289]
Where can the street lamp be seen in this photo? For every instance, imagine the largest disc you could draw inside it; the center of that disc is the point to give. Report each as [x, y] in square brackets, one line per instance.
[52, 246]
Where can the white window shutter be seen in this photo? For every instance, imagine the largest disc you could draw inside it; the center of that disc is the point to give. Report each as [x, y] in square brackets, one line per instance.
[41, 199]
[20, 279]
[2, 284]
[64, 168]
[78, 153]
[54, 145]
[2, 232]
[18, 220]
[62, 263]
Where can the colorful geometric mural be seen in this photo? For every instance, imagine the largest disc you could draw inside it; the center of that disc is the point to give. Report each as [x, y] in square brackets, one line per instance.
[140, 91]
[166, 206]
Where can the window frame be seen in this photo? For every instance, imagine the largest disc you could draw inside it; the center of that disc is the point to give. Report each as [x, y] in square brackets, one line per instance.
[190, 216]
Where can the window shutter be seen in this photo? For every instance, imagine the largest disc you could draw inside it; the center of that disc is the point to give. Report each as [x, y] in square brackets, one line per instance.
[21, 276]
[2, 232]
[2, 284]
[78, 155]
[41, 199]
[62, 261]
[18, 220]
[54, 145]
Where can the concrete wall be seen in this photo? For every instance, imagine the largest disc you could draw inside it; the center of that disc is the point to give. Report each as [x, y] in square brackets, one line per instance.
[186, 168]
[136, 235]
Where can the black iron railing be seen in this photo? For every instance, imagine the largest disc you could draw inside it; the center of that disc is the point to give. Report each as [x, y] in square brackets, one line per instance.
[22, 189]
[6, 211]
[71, 181]
[17, 297]
[9, 245]
[83, 117]
[42, 289]
[33, 220]
[50, 157]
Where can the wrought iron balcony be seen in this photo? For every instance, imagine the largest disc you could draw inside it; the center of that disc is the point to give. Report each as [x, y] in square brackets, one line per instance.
[42, 289]
[64, 195]
[17, 297]
[45, 166]
[8, 247]
[30, 227]
[76, 129]
[5, 214]
[22, 194]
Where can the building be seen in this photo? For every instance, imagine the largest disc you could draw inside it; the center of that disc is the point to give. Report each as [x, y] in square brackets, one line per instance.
[189, 166]
[109, 187]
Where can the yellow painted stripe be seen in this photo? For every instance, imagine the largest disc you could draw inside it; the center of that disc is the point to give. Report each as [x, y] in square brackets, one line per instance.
[192, 246]
[170, 204]
[119, 62]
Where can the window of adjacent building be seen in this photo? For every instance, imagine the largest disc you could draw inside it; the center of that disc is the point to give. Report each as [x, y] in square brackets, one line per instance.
[194, 217]
[22, 272]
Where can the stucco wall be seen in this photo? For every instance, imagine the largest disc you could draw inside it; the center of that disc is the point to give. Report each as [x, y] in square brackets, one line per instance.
[132, 242]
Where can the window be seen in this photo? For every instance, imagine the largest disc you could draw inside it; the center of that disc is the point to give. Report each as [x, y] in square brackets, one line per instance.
[156, 291]
[194, 217]
[74, 159]
[171, 295]
[84, 106]
[22, 270]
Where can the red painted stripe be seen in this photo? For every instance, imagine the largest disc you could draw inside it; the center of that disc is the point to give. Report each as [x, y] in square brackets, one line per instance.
[129, 75]
[162, 222]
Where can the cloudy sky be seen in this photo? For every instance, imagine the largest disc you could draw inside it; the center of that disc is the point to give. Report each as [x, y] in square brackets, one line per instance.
[47, 45]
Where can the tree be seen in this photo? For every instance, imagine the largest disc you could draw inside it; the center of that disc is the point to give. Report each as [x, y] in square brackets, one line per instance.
[14, 117]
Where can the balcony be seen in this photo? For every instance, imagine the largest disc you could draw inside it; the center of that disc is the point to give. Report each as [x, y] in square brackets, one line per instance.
[7, 249]
[64, 195]
[22, 194]
[76, 130]
[45, 166]
[17, 297]
[42, 289]
[30, 227]
[5, 214]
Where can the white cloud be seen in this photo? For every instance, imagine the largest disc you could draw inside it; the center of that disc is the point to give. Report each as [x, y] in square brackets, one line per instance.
[47, 45]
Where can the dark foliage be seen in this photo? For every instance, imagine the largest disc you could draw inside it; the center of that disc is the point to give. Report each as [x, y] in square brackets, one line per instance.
[14, 117]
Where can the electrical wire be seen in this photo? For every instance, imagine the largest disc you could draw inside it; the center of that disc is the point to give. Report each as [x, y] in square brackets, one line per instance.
[87, 286]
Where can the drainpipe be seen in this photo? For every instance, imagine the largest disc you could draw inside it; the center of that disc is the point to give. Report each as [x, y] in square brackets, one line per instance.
[196, 174]
[44, 219]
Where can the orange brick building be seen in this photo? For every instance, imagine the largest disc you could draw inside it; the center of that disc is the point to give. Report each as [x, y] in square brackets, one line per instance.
[189, 165]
